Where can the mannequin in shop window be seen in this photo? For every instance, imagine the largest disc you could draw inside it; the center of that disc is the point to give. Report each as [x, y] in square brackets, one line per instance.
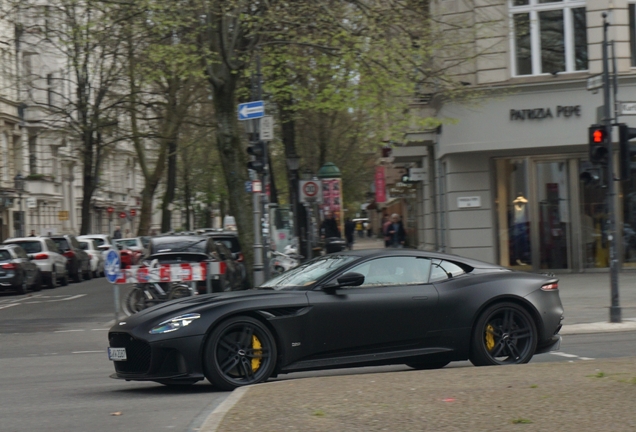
[521, 231]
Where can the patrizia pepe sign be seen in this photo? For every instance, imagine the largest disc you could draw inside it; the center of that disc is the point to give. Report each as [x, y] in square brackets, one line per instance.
[566, 111]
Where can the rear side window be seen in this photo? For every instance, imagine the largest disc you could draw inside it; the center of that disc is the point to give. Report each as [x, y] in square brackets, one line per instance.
[20, 253]
[61, 243]
[5, 255]
[98, 241]
[442, 270]
[52, 246]
[30, 246]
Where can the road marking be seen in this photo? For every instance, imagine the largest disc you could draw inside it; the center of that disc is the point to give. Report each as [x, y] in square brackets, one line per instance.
[89, 352]
[562, 354]
[9, 305]
[106, 329]
[69, 331]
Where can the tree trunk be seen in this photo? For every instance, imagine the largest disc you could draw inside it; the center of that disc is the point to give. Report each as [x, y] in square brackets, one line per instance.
[88, 186]
[234, 161]
[171, 184]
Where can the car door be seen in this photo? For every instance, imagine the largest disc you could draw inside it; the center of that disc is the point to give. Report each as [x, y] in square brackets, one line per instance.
[391, 311]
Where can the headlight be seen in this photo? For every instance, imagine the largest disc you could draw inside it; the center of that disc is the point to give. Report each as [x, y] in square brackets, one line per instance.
[175, 323]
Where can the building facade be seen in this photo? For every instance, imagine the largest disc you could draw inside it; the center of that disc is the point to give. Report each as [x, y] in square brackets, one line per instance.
[502, 179]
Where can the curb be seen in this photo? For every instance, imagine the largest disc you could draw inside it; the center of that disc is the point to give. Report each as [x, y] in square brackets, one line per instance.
[598, 327]
[213, 421]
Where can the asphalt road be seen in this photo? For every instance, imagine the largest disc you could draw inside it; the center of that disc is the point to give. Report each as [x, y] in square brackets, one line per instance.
[55, 373]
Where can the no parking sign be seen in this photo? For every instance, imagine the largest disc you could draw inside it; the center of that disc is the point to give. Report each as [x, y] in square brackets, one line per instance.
[310, 191]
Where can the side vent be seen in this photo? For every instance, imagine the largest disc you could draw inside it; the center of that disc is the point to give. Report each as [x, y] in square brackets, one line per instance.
[282, 312]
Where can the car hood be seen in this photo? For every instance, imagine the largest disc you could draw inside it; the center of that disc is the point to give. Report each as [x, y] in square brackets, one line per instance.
[201, 303]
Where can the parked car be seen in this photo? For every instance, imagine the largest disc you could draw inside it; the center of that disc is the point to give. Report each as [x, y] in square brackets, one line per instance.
[95, 255]
[181, 248]
[46, 255]
[102, 241]
[357, 308]
[135, 245]
[78, 264]
[231, 241]
[17, 271]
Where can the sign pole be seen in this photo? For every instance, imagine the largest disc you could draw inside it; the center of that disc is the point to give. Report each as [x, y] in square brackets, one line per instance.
[615, 310]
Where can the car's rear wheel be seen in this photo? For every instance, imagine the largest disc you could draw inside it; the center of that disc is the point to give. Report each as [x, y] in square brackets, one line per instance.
[239, 352]
[65, 278]
[505, 333]
[53, 281]
[88, 275]
[37, 285]
[24, 286]
[428, 365]
[77, 276]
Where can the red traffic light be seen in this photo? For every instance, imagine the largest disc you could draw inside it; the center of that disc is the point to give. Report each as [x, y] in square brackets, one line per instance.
[598, 136]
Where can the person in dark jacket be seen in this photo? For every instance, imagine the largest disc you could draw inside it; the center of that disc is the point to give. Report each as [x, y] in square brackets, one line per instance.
[350, 228]
[395, 232]
[329, 226]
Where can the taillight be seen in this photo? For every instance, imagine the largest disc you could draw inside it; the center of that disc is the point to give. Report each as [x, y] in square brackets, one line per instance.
[69, 254]
[550, 286]
[9, 266]
[90, 256]
[240, 258]
[41, 256]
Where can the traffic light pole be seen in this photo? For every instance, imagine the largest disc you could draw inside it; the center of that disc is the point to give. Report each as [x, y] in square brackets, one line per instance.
[615, 310]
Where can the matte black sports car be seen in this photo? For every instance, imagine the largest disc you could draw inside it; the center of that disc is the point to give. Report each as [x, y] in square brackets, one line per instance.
[359, 308]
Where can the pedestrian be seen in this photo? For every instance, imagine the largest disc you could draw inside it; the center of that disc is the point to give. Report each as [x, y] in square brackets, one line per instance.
[349, 227]
[386, 221]
[32, 233]
[396, 233]
[117, 233]
[329, 226]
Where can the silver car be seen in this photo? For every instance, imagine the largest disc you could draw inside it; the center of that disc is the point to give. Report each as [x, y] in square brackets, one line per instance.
[45, 254]
[96, 256]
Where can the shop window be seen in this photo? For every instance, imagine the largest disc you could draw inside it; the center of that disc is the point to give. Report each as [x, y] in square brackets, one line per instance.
[549, 36]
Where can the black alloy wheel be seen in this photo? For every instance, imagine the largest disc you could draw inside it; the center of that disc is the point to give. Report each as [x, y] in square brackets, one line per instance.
[428, 366]
[37, 284]
[505, 333]
[53, 281]
[24, 286]
[239, 352]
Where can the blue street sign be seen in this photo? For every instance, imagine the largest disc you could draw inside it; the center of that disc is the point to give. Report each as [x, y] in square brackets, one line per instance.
[251, 110]
[248, 186]
[112, 265]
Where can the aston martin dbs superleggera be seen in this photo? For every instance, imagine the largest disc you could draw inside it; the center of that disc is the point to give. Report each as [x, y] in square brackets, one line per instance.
[358, 308]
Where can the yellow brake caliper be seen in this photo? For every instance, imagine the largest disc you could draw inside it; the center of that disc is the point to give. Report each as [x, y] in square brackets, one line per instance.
[490, 338]
[256, 346]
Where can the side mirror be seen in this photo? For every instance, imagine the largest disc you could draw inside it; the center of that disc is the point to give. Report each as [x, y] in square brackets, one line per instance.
[347, 279]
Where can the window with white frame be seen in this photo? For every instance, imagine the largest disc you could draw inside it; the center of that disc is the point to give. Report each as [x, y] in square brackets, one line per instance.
[548, 36]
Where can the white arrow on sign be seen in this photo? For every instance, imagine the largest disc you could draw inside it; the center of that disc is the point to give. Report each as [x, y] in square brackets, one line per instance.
[245, 111]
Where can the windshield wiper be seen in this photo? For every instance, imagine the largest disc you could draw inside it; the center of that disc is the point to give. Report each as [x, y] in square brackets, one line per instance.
[188, 245]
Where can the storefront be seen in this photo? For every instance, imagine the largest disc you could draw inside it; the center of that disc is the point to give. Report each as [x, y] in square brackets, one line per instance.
[520, 156]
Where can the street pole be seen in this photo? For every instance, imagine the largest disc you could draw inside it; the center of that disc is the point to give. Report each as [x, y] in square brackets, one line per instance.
[256, 199]
[615, 310]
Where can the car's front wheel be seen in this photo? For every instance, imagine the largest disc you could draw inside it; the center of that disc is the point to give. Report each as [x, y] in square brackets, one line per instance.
[239, 352]
[505, 333]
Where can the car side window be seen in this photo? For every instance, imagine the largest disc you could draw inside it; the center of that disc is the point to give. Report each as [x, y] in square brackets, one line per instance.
[21, 253]
[51, 246]
[442, 270]
[391, 271]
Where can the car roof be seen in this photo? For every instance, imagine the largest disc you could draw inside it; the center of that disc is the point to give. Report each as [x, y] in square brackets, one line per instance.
[416, 252]
[17, 239]
[176, 238]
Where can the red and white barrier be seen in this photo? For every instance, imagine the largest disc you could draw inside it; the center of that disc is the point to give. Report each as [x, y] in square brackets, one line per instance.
[185, 272]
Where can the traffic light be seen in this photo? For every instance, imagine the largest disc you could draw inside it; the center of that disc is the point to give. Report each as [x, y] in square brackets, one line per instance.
[257, 150]
[627, 150]
[591, 175]
[598, 142]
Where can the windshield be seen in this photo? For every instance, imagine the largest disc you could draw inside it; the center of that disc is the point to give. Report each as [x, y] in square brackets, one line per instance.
[30, 246]
[309, 273]
[128, 242]
[178, 245]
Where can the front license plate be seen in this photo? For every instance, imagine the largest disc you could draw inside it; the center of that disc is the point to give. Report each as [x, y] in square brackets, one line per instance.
[117, 354]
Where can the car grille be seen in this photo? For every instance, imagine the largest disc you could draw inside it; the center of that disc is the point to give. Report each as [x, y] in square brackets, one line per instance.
[138, 353]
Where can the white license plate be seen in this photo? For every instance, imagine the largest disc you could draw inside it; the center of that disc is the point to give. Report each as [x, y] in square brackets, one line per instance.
[117, 354]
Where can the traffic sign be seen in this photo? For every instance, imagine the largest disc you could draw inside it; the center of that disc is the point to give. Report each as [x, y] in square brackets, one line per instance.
[251, 110]
[133, 212]
[595, 82]
[257, 186]
[310, 191]
[110, 209]
[122, 215]
[267, 128]
[627, 108]
[248, 186]
[112, 265]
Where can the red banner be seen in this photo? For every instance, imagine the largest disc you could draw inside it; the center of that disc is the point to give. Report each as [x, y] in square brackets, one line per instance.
[380, 184]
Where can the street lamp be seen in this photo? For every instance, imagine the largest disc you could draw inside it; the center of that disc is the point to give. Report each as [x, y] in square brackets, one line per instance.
[18, 183]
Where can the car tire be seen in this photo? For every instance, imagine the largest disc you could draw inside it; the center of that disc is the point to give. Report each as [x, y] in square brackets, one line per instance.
[77, 276]
[505, 333]
[89, 274]
[65, 279]
[238, 352]
[428, 365]
[24, 286]
[53, 280]
[37, 285]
